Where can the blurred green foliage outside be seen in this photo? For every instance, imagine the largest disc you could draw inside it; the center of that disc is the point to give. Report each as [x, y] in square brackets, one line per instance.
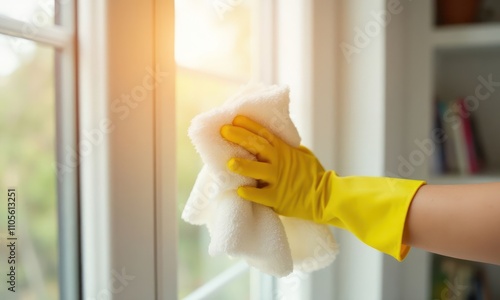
[27, 163]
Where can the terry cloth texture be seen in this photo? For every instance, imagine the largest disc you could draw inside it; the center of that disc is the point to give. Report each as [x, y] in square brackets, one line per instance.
[241, 229]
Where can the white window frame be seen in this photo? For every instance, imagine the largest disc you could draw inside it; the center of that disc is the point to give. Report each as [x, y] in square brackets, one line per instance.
[128, 181]
[93, 191]
[61, 37]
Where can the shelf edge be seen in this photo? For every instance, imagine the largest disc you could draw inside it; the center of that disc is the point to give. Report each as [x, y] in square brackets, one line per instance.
[466, 36]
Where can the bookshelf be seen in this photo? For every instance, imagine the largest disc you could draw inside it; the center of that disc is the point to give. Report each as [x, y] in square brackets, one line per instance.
[461, 73]
[445, 63]
[462, 57]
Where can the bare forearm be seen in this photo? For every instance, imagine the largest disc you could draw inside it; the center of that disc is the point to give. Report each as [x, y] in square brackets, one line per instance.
[461, 221]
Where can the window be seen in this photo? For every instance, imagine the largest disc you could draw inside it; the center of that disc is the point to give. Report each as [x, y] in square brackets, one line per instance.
[37, 113]
[112, 211]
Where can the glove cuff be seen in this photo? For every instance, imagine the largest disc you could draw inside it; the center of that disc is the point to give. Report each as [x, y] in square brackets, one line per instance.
[407, 191]
[374, 209]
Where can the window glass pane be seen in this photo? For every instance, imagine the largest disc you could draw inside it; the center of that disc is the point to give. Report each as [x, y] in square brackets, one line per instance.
[195, 265]
[214, 59]
[27, 163]
[37, 13]
[219, 41]
[236, 289]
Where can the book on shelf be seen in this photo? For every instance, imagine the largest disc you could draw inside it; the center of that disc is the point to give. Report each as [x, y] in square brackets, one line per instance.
[460, 150]
[470, 149]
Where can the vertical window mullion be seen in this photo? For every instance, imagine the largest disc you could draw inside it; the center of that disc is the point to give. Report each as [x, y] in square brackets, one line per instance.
[165, 155]
[66, 136]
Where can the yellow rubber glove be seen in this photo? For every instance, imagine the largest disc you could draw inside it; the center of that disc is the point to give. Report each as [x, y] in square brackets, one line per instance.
[293, 183]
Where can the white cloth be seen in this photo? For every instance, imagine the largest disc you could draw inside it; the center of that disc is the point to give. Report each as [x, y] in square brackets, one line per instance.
[241, 229]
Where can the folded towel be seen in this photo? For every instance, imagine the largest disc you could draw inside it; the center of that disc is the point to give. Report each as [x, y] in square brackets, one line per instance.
[241, 229]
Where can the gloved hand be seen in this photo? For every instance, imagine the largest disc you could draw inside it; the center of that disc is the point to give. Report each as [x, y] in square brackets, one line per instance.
[294, 183]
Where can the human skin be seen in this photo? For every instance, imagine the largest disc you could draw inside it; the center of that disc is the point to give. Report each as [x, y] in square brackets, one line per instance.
[461, 221]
